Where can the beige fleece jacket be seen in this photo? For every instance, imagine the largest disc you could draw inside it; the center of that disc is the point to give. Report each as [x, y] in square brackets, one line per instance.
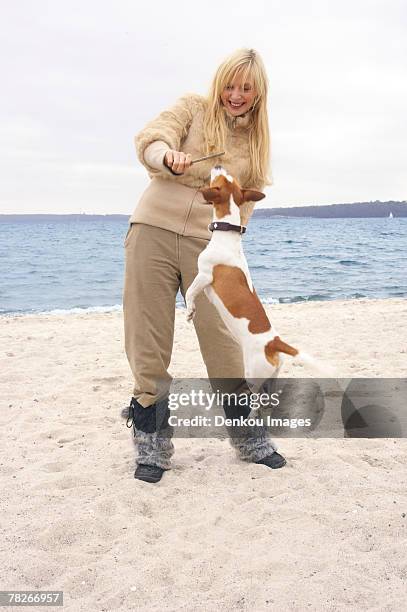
[174, 202]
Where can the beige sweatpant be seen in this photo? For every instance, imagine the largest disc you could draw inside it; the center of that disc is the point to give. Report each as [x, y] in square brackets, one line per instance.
[158, 263]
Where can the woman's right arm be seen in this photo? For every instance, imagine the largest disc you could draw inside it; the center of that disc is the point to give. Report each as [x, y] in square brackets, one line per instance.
[162, 138]
[159, 156]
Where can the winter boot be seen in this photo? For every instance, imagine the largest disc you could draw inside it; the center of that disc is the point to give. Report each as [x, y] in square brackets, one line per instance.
[152, 436]
[252, 441]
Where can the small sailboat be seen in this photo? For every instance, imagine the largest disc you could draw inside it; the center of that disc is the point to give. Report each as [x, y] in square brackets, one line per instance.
[391, 215]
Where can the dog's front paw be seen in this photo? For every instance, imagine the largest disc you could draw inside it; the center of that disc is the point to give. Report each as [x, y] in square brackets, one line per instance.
[190, 313]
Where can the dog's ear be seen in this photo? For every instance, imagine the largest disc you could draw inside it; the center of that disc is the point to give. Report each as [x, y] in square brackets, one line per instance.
[211, 194]
[251, 195]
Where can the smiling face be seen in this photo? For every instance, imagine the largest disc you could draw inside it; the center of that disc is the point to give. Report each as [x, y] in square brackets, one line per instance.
[239, 95]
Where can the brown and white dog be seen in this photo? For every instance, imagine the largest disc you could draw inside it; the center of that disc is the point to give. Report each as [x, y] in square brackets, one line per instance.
[224, 276]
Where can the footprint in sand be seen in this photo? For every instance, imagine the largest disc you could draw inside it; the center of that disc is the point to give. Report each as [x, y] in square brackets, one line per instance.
[107, 507]
[146, 509]
[66, 534]
[374, 462]
[57, 466]
[108, 379]
[67, 439]
[73, 482]
[200, 457]
[60, 435]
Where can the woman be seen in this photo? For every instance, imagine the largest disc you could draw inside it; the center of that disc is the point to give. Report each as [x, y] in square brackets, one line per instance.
[169, 229]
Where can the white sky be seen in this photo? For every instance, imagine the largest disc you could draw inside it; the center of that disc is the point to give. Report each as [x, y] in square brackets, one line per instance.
[81, 77]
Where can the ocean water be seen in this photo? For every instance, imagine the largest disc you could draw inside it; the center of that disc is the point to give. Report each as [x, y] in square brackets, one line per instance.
[78, 264]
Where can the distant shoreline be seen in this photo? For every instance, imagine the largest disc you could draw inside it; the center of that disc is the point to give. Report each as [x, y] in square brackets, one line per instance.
[356, 210]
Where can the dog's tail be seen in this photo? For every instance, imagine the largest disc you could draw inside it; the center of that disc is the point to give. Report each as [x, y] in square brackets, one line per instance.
[323, 371]
[279, 346]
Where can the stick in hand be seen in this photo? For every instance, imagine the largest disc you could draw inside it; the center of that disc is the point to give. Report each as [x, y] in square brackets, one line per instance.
[194, 161]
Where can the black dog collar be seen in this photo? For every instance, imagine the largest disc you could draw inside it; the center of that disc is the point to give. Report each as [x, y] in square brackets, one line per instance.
[226, 227]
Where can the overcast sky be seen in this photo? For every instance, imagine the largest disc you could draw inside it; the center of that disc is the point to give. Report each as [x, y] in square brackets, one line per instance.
[81, 77]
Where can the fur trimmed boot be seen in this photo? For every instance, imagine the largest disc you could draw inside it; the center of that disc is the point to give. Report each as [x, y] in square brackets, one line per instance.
[251, 442]
[152, 436]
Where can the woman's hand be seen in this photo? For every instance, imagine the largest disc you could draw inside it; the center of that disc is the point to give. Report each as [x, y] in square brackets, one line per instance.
[177, 161]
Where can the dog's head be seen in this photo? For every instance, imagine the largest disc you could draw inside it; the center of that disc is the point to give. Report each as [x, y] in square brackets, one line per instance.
[224, 190]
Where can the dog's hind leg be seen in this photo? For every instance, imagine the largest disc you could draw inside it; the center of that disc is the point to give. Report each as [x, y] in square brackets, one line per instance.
[258, 372]
[200, 282]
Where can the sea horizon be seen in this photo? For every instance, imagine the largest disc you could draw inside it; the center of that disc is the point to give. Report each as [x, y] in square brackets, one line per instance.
[359, 210]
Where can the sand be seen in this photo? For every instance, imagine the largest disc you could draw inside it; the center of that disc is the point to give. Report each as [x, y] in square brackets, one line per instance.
[327, 532]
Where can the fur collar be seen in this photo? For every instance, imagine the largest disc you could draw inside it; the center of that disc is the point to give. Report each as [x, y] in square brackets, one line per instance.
[241, 121]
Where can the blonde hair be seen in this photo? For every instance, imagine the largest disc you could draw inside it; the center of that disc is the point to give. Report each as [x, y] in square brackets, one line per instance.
[248, 63]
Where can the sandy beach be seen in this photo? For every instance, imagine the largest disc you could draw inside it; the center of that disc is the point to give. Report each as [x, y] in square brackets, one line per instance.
[327, 532]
